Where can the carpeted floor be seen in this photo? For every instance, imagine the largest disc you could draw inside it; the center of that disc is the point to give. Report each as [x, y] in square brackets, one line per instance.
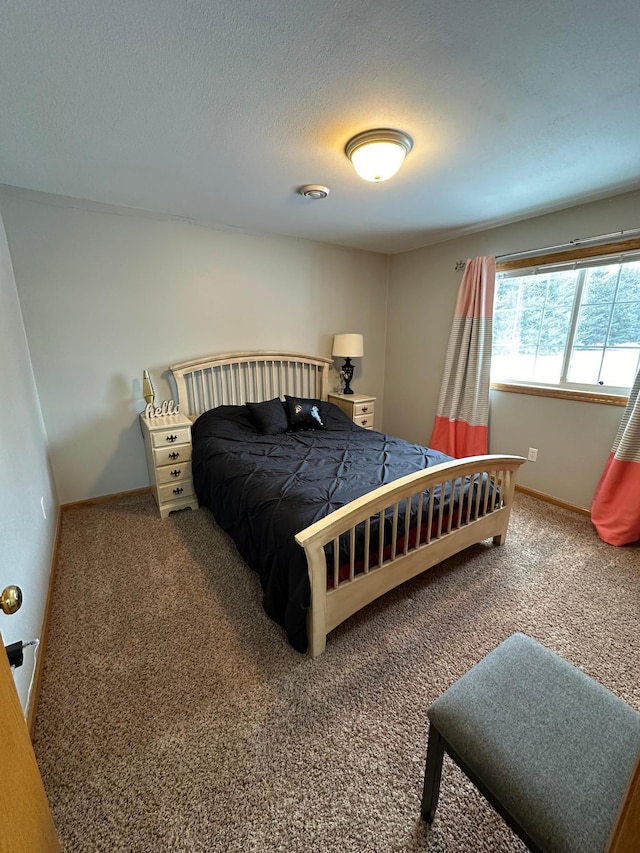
[174, 717]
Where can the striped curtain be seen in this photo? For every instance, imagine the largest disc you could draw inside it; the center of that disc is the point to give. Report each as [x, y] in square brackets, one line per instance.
[461, 424]
[615, 511]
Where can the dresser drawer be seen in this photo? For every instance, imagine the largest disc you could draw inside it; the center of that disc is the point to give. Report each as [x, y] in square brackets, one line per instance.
[363, 409]
[175, 491]
[365, 421]
[169, 437]
[171, 455]
[173, 473]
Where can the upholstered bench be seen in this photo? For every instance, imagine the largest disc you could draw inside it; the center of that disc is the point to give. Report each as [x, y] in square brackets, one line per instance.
[550, 748]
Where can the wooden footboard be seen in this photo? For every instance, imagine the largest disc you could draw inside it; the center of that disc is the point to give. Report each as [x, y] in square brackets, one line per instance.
[418, 539]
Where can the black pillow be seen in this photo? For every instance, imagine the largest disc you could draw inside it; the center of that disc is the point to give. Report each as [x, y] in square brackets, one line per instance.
[304, 413]
[270, 417]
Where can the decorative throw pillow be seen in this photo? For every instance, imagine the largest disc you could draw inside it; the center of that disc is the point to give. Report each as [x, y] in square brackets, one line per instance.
[304, 413]
[269, 417]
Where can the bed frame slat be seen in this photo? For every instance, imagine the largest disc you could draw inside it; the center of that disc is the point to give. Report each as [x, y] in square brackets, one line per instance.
[367, 543]
[419, 518]
[443, 487]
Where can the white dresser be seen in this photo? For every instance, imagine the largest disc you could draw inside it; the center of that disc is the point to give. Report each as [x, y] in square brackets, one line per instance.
[167, 442]
[359, 407]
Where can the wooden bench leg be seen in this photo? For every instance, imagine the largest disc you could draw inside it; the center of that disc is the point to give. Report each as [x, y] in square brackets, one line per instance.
[432, 774]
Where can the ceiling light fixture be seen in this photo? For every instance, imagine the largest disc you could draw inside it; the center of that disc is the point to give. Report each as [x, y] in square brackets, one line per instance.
[378, 154]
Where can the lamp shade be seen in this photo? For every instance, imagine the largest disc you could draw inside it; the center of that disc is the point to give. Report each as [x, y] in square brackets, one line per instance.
[348, 346]
[147, 388]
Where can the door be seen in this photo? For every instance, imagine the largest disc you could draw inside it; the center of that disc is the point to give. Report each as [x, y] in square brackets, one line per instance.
[26, 825]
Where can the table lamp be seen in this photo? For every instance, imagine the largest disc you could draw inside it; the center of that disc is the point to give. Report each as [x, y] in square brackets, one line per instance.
[148, 391]
[348, 346]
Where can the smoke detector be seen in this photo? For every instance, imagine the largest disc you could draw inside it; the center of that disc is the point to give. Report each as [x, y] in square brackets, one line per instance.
[314, 191]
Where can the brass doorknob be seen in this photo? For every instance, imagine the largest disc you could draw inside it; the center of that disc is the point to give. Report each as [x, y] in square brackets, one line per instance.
[11, 599]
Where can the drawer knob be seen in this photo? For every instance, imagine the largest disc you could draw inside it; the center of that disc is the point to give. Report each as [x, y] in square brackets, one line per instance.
[178, 491]
[176, 472]
[365, 408]
[172, 438]
[364, 421]
[174, 455]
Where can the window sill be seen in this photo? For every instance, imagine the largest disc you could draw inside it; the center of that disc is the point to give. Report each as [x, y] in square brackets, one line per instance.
[562, 393]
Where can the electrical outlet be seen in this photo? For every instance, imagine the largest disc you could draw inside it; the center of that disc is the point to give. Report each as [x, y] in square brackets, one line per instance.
[533, 454]
[44, 512]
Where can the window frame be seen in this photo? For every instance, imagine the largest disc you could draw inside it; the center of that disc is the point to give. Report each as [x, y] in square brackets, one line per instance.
[611, 252]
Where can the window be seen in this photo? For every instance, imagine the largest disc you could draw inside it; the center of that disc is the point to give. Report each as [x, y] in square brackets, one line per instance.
[572, 325]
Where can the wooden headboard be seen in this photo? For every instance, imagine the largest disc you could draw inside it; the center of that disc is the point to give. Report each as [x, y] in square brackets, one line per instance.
[235, 378]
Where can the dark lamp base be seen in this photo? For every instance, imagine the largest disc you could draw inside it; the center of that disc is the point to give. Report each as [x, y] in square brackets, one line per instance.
[347, 375]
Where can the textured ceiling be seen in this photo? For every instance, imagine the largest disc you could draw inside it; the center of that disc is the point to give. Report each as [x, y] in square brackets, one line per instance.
[217, 110]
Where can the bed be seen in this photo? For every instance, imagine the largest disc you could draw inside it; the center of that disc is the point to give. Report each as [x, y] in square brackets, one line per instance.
[331, 516]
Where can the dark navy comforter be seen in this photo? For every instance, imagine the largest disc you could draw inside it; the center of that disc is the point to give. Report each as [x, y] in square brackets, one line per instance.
[263, 489]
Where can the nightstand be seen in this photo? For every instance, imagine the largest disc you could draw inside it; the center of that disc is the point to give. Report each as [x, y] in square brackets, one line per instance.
[167, 443]
[359, 407]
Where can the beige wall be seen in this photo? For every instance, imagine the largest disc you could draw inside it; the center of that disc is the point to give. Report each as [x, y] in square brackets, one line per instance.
[106, 292]
[26, 540]
[573, 439]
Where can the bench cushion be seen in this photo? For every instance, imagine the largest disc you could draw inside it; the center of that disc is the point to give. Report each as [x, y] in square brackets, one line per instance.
[553, 746]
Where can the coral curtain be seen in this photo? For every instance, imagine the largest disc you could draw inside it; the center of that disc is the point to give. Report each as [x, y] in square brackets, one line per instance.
[462, 416]
[615, 510]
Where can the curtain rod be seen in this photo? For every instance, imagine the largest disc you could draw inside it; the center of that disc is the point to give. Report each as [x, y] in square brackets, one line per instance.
[578, 241]
[572, 244]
